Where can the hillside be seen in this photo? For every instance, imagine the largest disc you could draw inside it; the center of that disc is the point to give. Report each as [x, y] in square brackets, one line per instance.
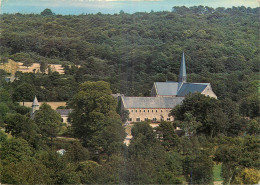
[131, 51]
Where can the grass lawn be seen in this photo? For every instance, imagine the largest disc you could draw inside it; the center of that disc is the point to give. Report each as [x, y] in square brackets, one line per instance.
[217, 172]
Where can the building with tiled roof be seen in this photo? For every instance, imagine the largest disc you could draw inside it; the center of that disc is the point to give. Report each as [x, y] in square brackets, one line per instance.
[164, 97]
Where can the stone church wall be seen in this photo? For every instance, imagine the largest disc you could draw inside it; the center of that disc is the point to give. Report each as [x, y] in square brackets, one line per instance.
[155, 115]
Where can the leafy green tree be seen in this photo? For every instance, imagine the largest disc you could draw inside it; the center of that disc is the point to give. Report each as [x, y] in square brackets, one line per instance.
[4, 59]
[61, 171]
[47, 12]
[204, 112]
[25, 172]
[248, 176]
[43, 66]
[89, 172]
[91, 106]
[3, 137]
[4, 109]
[24, 92]
[5, 95]
[189, 125]
[48, 121]
[167, 135]
[237, 154]
[21, 126]
[250, 106]
[77, 153]
[15, 150]
[110, 139]
[198, 168]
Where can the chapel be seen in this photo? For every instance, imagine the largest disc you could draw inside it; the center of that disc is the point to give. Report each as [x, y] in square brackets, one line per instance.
[164, 97]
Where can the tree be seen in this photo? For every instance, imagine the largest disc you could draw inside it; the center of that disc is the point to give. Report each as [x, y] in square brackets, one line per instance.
[204, 112]
[28, 62]
[4, 60]
[25, 172]
[43, 66]
[248, 176]
[15, 150]
[48, 121]
[198, 168]
[166, 132]
[236, 154]
[189, 125]
[47, 12]
[91, 106]
[24, 92]
[24, 127]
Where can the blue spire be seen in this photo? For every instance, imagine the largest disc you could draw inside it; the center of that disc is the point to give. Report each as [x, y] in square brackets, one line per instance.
[182, 75]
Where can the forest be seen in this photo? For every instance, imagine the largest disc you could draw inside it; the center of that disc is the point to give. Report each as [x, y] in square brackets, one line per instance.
[125, 53]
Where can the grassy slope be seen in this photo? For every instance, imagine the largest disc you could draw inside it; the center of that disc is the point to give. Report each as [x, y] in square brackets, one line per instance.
[217, 172]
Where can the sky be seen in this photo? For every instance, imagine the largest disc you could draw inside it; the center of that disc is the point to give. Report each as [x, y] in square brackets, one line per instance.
[76, 7]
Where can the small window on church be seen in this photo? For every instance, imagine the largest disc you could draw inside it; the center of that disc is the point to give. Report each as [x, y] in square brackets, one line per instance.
[156, 111]
[62, 120]
[152, 110]
[148, 111]
[137, 119]
[144, 110]
[130, 119]
[161, 110]
[154, 119]
[145, 119]
[135, 110]
[140, 110]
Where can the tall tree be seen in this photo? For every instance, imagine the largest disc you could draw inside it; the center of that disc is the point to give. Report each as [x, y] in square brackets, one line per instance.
[92, 106]
[48, 121]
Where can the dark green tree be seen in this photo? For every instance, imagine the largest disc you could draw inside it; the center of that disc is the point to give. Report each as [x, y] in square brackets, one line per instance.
[47, 12]
[48, 121]
[91, 106]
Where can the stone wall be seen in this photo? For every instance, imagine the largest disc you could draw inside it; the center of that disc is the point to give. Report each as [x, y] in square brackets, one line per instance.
[155, 115]
[209, 92]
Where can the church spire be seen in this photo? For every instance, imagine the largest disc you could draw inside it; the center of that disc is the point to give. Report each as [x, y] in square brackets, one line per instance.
[182, 75]
[35, 105]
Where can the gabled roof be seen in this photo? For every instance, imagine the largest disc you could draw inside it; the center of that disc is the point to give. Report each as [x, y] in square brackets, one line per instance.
[151, 102]
[187, 88]
[64, 112]
[166, 88]
[178, 89]
[35, 102]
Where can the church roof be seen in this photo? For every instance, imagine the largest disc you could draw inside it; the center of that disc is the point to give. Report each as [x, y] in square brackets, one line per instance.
[166, 88]
[187, 88]
[171, 88]
[151, 102]
[35, 102]
[64, 112]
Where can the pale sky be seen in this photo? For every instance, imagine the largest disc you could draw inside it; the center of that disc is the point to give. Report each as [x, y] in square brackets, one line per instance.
[112, 6]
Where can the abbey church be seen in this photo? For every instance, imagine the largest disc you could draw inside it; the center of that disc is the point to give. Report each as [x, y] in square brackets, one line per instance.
[164, 97]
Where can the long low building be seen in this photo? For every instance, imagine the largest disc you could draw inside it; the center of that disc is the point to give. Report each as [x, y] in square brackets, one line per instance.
[155, 109]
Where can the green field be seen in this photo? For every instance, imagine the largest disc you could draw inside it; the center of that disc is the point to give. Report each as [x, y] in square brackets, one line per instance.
[217, 172]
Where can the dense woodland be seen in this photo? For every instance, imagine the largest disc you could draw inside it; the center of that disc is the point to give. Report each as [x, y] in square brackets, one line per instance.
[104, 54]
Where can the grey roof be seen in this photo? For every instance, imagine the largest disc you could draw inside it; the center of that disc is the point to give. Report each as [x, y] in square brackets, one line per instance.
[187, 88]
[171, 88]
[183, 66]
[35, 102]
[64, 112]
[166, 88]
[151, 102]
